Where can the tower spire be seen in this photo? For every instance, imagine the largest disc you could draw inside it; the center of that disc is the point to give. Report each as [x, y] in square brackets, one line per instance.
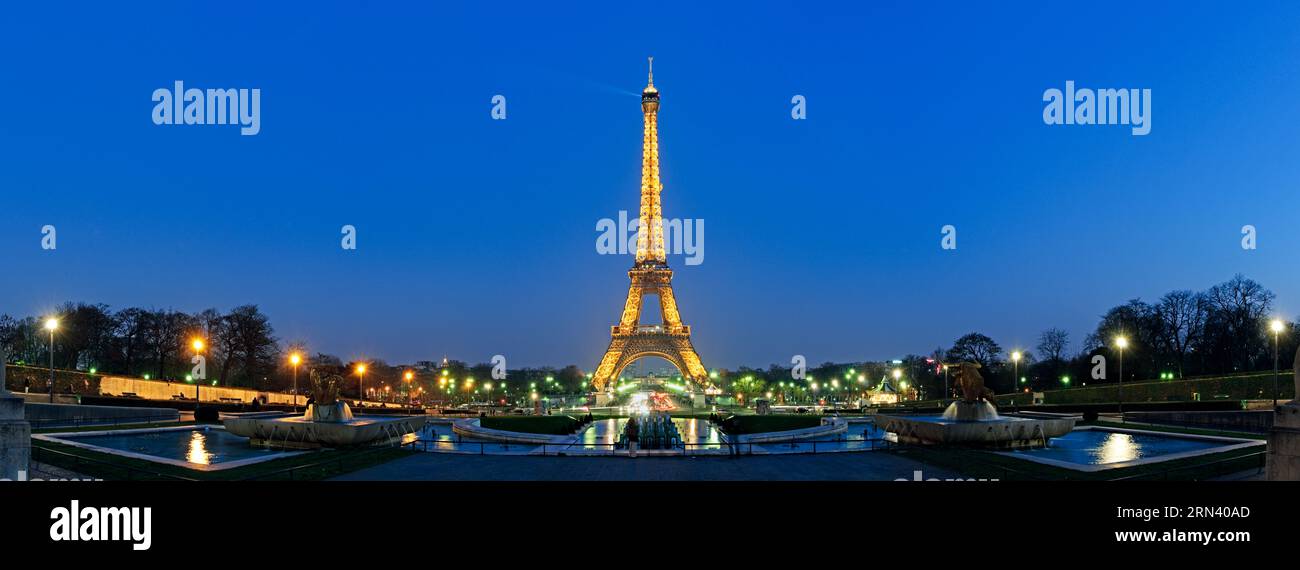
[629, 339]
[650, 238]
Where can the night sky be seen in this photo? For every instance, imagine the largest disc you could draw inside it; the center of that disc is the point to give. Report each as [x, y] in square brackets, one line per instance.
[477, 236]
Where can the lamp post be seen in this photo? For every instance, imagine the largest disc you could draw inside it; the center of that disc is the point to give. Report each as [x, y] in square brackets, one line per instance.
[51, 324]
[1276, 327]
[361, 385]
[1015, 364]
[197, 344]
[946, 393]
[295, 359]
[899, 399]
[1122, 343]
[406, 387]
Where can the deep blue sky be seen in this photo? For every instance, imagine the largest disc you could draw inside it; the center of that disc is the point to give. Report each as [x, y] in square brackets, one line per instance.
[477, 236]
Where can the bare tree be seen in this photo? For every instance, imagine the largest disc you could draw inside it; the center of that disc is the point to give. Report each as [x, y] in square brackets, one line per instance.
[132, 329]
[245, 337]
[165, 337]
[1053, 343]
[1181, 316]
[1237, 311]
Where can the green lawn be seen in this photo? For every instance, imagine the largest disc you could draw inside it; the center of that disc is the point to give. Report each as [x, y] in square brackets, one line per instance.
[313, 466]
[742, 425]
[548, 425]
[111, 427]
[1178, 429]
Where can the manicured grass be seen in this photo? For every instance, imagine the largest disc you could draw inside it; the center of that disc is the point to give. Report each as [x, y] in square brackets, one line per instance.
[1177, 429]
[548, 425]
[112, 427]
[742, 425]
[313, 466]
[1231, 387]
[682, 415]
[738, 424]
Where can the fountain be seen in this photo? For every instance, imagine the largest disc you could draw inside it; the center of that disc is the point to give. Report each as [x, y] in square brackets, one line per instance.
[973, 420]
[328, 422]
[651, 431]
[965, 411]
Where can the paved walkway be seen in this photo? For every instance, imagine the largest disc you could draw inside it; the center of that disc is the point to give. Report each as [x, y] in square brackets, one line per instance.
[867, 466]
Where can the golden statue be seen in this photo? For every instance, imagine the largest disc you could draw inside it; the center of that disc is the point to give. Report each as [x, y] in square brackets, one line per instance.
[968, 378]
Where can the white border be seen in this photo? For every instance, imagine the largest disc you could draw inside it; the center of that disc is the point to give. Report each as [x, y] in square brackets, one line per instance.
[58, 438]
[1239, 443]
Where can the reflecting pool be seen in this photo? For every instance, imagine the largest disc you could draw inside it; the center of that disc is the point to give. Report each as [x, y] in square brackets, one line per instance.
[1101, 447]
[696, 434]
[197, 446]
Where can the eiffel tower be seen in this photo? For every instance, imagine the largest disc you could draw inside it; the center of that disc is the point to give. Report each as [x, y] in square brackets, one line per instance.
[630, 340]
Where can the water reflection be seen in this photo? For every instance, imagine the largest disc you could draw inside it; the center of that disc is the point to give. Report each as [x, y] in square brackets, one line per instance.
[1103, 447]
[696, 433]
[1118, 447]
[198, 453]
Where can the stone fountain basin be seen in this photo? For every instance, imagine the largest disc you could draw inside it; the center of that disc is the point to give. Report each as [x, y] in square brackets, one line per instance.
[1006, 431]
[296, 432]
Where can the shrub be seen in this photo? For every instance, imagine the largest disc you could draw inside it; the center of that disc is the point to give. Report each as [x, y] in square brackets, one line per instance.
[207, 414]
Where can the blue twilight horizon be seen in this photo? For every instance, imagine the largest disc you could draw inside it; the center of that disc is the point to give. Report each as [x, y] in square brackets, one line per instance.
[478, 237]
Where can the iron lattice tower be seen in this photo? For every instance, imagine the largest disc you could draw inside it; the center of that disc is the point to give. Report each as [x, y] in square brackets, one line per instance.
[650, 275]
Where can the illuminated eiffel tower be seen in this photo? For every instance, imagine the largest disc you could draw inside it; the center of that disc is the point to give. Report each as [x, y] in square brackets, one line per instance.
[650, 276]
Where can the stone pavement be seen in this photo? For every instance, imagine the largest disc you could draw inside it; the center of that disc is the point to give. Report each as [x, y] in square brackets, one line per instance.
[865, 466]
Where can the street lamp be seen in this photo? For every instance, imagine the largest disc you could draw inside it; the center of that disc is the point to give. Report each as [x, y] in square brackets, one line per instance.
[1122, 343]
[295, 359]
[946, 393]
[1276, 326]
[51, 324]
[197, 344]
[361, 385]
[406, 388]
[898, 374]
[1015, 363]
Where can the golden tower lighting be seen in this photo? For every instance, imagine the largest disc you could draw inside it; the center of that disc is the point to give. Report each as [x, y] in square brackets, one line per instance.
[650, 275]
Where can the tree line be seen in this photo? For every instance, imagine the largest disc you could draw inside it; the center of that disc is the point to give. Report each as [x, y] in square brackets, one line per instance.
[1184, 333]
[240, 345]
[1221, 330]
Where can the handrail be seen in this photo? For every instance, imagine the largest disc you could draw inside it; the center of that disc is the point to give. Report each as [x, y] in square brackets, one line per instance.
[1165, 473]
[684, 448]
[79, 421]
[38, 450]
[337, 461]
